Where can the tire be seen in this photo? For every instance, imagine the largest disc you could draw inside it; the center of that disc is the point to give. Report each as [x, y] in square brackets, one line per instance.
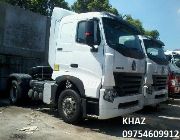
[157, 107]
[69, 106]
[15, 92]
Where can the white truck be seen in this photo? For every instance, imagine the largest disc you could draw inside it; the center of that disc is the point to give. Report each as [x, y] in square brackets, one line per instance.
[96, 67]
[155, 81]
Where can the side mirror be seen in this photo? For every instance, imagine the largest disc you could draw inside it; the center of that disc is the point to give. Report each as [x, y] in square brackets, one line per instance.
[168, 58]
[90, 34]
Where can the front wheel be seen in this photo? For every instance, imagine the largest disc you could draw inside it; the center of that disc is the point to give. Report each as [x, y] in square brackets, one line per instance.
[69, 106]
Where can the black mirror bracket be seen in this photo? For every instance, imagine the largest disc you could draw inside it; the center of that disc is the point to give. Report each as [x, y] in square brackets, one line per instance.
[94, 49]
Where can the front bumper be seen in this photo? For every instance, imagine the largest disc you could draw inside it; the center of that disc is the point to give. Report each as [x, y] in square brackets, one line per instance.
[174, 89]
[120, 106]
[156, 97]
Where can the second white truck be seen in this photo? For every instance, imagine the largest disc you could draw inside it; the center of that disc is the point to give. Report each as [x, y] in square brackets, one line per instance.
[155, 81]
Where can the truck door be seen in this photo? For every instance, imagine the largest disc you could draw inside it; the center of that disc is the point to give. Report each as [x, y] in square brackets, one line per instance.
[86, 62]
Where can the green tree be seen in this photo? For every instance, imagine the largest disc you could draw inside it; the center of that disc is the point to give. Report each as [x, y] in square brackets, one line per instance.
[138, 24]
[21, 3]
[154, 34]
[93, 5]
[135, 22]
[43, 7]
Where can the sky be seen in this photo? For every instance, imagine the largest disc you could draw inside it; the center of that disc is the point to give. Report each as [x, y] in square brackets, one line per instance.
[162, 15]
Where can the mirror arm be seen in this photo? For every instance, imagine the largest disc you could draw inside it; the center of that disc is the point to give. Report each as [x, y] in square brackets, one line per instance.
[93, 49]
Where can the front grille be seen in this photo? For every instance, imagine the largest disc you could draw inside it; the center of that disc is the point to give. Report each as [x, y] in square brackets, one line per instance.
[177, 77]
[160, 96]
[128, 83]
[128, 104]
[159, 82]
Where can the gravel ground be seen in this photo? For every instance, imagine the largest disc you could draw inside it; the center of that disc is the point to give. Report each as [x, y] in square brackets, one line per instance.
[39, 122]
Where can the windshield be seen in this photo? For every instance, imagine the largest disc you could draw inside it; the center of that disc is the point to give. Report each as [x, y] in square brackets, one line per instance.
[121, 37]
[176, 60]
[155, 51]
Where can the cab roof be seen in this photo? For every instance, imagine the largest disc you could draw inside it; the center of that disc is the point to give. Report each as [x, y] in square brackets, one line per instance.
[154, 40]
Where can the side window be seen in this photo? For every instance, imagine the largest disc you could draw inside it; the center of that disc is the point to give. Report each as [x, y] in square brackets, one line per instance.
[153, 51]
[81, 32]
[81, 38]
[66, 33]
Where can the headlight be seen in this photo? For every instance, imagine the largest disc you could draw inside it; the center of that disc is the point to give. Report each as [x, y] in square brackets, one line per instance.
[110, 94]
[149, 89]
[173, 82]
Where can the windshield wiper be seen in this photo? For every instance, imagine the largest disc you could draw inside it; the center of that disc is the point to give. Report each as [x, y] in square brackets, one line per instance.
[124, 46]
[117, 44]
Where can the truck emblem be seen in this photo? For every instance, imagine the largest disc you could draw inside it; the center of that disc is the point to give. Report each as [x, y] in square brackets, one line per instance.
[133, 65]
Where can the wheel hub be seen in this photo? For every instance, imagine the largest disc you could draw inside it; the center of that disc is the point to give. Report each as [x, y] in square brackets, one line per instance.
[69, 106]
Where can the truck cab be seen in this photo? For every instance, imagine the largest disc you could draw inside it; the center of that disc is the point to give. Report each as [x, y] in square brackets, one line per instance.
[155, 81]
[102, 53]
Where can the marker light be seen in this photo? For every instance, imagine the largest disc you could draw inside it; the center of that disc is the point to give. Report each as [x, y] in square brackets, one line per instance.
[56, 67]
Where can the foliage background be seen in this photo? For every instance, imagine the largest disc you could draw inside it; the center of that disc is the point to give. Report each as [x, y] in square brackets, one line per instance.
[45, 7]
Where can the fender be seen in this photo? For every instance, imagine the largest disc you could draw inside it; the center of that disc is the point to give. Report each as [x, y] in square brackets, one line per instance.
[19, 77]
[76, 81]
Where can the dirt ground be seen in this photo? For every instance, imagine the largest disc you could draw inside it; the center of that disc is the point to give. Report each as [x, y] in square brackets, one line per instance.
[46, 124]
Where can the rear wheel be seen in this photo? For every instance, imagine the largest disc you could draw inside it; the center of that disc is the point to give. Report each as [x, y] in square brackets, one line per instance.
[15, 92]
[69, 106]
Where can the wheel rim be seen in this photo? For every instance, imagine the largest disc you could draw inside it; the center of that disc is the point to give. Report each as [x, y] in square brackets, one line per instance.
[13, 93]
[69, 106]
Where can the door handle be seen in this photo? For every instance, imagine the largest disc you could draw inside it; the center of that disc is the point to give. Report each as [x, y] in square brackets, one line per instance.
[74, 65]
[59, 49]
